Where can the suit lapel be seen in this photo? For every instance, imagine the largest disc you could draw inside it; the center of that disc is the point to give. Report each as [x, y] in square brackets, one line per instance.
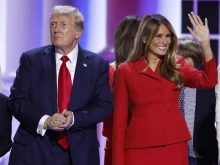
[49, 66]
[140, 65]
[82, 65]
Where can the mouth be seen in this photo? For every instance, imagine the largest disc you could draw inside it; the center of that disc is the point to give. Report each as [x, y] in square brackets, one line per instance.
[57, 37]
[162, 48]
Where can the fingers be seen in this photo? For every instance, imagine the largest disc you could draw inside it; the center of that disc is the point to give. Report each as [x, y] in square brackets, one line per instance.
[63, 111]
[196, 20]
[190, 30]
[59, 122]
[55, 121]
[192, 18]
[69, 120]
[67, 113]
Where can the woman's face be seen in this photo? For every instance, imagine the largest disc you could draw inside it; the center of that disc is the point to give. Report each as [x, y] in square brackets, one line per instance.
[161, 42]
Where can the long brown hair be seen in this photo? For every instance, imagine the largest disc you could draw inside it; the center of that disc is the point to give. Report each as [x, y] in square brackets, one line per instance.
[147, 30]
[124, 37]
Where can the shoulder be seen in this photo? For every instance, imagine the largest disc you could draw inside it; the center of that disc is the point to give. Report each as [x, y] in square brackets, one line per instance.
[91, 55]
[38, 52]
[125, 65]
[46, 49]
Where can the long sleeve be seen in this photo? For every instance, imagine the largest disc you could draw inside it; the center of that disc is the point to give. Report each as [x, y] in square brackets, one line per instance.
[20, 104]
[217, 109]
[193, 78]
[120, 118]
[107, 123]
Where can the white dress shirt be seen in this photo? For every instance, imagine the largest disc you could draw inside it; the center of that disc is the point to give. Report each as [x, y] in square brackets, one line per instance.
[217, 110]
[71, 65]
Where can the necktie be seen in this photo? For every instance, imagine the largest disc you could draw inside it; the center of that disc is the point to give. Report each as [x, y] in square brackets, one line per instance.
[182, 101]
[64, 91]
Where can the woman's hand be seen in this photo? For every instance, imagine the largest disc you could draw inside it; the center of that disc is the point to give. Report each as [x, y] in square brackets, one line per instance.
[201, 33]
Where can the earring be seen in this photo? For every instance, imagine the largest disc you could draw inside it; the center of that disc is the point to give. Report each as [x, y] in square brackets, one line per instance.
[144, 41]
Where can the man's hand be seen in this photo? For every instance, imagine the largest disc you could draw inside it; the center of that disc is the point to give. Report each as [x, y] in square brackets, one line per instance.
[69, 119]
[54, 121]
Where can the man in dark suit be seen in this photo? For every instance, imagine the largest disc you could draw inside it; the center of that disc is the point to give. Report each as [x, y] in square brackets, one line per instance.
[5, 126]
[60, 93]
[198, 108]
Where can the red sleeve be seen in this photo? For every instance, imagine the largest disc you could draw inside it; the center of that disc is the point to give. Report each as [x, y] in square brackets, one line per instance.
[107, 123]
[193, 78]
[120, 117]
[111, 75]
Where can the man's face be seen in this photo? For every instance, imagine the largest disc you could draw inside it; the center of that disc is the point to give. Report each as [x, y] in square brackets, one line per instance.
[63, 32]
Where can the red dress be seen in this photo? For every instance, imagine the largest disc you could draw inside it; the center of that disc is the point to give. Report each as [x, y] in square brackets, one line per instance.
[157, 132]
[107, 126]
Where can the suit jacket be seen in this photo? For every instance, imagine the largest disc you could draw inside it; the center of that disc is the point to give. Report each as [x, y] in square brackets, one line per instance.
[5, 126]
[156, 118]
[204, 136]
[34, 94]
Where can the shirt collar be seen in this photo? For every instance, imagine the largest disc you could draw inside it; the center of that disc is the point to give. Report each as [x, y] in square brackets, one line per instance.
[72, 55]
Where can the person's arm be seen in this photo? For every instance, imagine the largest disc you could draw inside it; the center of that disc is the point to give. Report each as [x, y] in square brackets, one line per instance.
[193, 78]
[108, 123]
[120, 118]
[19, 100]
[217, 110]
[5, 126]
[102, 104]
[206, 78]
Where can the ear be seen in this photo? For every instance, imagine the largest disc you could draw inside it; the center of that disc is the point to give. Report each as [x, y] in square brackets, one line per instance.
[189, 61]
[144, 39]
[78, 34]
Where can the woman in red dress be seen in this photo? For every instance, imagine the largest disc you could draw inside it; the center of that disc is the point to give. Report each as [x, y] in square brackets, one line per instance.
[124, 39]
[150, 81]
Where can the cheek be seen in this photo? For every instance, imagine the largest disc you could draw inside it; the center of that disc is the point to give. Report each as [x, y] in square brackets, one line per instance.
[69, 34]
[168, 42]
[51, 31]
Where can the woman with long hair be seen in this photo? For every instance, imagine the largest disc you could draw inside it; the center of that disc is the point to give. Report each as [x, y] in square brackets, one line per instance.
[150, 81]
[123, 45]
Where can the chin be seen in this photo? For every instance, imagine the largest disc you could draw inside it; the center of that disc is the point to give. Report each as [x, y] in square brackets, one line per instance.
[57, 44]
[161, 54]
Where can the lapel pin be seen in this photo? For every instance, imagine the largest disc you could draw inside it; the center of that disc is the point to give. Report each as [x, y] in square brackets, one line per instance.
[85, 65]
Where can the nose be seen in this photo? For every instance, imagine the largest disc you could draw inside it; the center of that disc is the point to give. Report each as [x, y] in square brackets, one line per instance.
[164, 40]
[56, 28]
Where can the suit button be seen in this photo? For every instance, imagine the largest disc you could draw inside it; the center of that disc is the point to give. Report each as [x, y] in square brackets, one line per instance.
[146, 106]
[145, 95]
